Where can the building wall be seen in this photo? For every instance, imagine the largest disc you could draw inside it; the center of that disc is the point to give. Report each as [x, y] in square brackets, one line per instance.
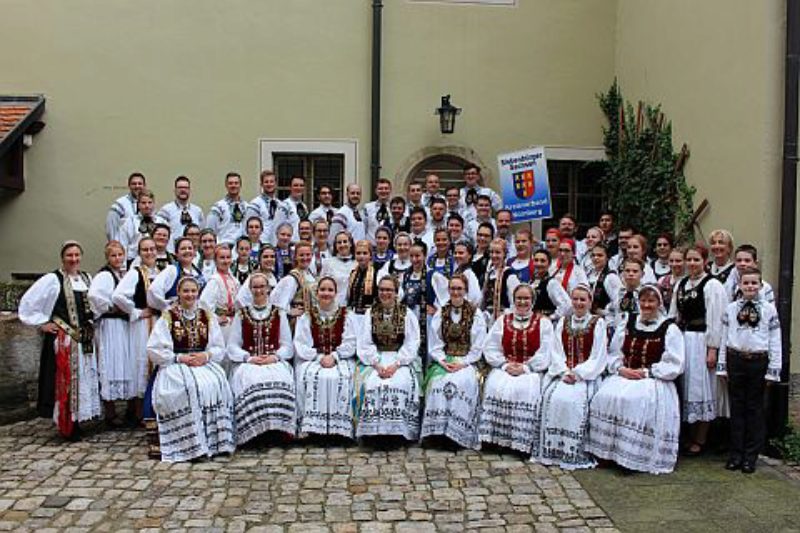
[189, 86]
[186, 86]
[717, 69]
[524, 76]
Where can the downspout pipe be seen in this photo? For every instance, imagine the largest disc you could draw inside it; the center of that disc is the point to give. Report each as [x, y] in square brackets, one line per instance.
[780, 403]
[375, 137]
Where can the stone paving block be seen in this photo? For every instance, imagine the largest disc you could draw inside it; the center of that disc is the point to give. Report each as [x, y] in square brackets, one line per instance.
[28, 504]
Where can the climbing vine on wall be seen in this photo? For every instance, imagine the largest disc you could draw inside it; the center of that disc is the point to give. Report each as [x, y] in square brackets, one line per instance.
[644, 182]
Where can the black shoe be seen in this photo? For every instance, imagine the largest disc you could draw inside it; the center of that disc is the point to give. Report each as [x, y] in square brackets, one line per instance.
[748, 467]
[76, 434]
[733, 464]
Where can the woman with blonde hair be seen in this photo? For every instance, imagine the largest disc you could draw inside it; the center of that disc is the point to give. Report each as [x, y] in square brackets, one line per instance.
[325, 344]
[720, 243]
[387, 389]
[452, 389]
[191, 396]
[262, 382]
[117, 366]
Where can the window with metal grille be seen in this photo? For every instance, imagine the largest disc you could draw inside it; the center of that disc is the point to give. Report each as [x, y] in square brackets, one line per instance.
[575, 188]
[318, 169]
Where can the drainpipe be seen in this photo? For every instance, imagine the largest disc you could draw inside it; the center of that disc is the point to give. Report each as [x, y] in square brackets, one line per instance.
[780, 395]
[375, 143]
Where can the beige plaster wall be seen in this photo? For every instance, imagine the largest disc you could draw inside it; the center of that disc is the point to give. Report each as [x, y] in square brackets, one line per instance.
[524, 76]
[189, 86]
[186, 86]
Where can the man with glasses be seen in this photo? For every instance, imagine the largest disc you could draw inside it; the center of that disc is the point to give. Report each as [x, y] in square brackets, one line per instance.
[453, 201]
[325, 210]
[181, 212]
[472, 189]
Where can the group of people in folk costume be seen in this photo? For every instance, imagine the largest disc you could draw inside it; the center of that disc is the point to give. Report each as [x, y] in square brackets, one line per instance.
[419, 317]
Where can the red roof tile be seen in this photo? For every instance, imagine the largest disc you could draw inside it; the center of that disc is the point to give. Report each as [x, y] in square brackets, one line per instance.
[12, 114]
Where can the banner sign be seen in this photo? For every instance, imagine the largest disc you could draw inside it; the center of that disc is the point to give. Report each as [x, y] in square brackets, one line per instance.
[525, 184]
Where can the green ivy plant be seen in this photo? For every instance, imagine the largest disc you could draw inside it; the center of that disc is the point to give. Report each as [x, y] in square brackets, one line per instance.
[644, 183]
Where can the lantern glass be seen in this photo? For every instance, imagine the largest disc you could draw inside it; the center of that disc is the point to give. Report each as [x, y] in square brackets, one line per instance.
[447, 115]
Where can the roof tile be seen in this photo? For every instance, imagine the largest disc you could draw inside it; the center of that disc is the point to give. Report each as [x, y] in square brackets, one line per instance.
[11, 114]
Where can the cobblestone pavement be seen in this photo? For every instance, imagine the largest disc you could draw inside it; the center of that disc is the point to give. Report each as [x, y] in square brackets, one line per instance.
[106, 483]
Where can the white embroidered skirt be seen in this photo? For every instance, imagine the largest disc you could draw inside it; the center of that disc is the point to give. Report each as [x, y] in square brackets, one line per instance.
[194, 410]
[118, 369]
[636, 424]
[698, 381]
[324, 398]
[564, 424]
[510, 410]
[264, 399]
[388, 406]
[451, 407]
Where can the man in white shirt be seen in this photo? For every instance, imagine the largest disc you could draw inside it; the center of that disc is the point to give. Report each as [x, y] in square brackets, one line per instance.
[414, 195]
[483, 208]
[140, 225]
[325, 209]
[453, 200]
[180, 212]
[615, 263]
[295, 206]
[568, 228]
[473, 189]
[432, 184]
[378, 211]
[268, 207]
[503, 227]
[124, 206]
[438, 212]
[350, 216]
[227, 217]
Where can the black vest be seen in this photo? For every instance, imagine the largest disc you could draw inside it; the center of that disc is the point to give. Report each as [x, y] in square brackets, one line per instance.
[692, 305]
[542, 302]
[60, 308]
[139, 294]
[600, 297]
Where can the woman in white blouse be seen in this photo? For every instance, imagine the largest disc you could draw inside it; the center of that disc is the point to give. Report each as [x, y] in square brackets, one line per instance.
[191, 395]
[117, 367]
[131, 297]
[341, 264]
[59, 306]
[325, 343]
[452, 389]
[219, 294]
[577, 361]
[387, 389]
[518, 348]
[634, 419]
[260, 345]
